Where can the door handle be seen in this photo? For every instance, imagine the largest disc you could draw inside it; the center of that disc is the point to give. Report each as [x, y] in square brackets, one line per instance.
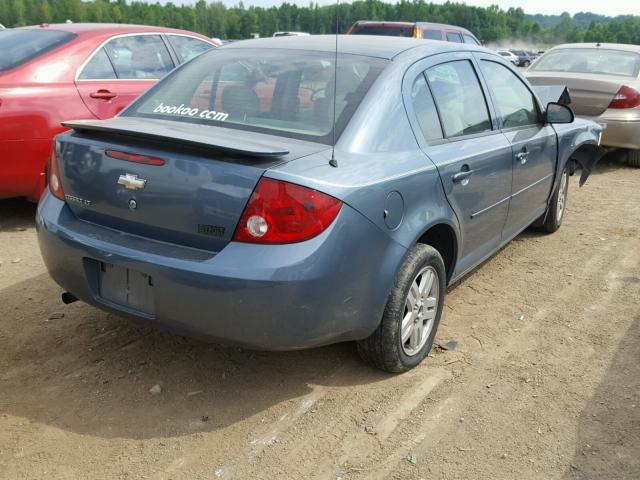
[103, 95]
[462, 177]
[522, 157]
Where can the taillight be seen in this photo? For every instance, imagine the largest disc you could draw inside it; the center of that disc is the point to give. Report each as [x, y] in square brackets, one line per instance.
[626, 97]
[54, 180]
[282, 212]
[134, 157]
[417, 32]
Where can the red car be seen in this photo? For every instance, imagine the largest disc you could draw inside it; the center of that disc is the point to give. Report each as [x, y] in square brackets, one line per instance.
[51, 73]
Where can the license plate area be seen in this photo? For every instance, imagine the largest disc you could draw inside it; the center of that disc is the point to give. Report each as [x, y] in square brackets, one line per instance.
[126, 287]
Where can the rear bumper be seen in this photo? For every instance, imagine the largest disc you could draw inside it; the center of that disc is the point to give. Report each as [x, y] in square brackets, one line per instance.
[331, 288]
[619, 132]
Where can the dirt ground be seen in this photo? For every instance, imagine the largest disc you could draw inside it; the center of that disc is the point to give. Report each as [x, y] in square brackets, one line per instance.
[544, 382]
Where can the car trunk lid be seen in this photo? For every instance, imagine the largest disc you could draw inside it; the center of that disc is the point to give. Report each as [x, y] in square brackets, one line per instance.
[191, 193]
[590, 94]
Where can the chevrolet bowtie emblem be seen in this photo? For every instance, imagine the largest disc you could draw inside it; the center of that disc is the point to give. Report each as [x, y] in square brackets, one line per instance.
[131, 182]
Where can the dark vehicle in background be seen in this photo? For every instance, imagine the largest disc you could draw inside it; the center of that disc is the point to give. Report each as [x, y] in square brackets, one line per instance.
[604, 82]
[524, 58]
[428, 31]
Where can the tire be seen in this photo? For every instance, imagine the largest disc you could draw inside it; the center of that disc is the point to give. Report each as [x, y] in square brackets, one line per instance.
[557, 205]
[385, 348]
[526, 63]
[633, 158]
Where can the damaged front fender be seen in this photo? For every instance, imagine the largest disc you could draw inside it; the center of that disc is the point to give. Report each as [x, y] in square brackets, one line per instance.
[579, 142]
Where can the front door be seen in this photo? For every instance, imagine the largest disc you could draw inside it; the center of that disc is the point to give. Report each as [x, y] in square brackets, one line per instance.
[533, 143]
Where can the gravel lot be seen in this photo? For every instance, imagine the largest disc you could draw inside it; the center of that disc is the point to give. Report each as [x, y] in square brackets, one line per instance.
[544, 382]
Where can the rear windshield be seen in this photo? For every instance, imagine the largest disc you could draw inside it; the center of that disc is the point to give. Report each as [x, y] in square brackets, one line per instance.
[388, 30]
[282, 92]
[21, 45]
[590, 60]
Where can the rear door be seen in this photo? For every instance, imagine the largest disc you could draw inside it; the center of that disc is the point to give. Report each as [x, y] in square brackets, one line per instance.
[473, 158]
[534, 144]
[120, 70]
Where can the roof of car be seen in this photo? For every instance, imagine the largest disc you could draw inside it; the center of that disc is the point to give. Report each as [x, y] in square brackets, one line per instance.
[442, 26]
[103, 28]
[609, 46]
[368, 45]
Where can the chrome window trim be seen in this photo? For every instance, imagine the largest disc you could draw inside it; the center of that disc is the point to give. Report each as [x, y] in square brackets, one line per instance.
[123, 35]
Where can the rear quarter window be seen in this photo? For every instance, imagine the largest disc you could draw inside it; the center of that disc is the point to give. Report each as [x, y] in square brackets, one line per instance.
[18, 46]
[188, 47]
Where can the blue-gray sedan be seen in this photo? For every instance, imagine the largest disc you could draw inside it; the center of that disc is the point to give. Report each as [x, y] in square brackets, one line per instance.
[215, 205]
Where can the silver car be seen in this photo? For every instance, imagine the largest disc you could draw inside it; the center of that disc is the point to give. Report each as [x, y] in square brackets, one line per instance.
[605, 87]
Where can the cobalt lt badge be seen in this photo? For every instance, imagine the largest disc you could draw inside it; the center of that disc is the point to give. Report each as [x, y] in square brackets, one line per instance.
[131, 182]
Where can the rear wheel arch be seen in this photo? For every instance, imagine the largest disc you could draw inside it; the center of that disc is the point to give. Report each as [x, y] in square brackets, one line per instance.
[444, 239]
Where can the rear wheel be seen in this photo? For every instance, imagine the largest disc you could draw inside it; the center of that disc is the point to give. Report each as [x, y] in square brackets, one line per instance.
[633, 158]
[526, 63]
[412, 314]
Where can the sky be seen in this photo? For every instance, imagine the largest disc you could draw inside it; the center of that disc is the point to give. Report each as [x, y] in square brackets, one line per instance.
[549, 7]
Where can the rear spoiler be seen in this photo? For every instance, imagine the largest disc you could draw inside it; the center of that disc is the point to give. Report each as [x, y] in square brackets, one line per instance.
[553, 93]
[249, 144]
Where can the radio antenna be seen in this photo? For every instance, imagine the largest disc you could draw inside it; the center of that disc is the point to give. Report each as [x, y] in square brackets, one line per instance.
[333, 162]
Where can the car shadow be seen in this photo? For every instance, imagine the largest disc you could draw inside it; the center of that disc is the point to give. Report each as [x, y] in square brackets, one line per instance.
[608, 444]
[91, 372]
[16, 214]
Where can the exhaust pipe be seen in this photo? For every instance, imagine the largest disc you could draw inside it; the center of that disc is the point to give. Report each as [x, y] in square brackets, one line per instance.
[68, 298]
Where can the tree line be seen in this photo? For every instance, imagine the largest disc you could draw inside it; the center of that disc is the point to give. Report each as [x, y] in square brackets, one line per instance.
[490, 24]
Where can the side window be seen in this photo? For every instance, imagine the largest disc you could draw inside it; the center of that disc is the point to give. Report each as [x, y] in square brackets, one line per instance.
[470, 39]
[98, 68]
[454, 37]
[139, 57]
[432, 34]
[515, 103]
[188, 47]
[459, 97]
[425, 110]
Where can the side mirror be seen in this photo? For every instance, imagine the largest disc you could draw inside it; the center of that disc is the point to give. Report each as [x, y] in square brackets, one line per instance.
[558, 113]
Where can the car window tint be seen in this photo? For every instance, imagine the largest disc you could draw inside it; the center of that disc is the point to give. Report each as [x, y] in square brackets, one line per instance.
[515, 103]
[470, 39]
[188, 47]
[98, 68]
[139, 57]
[459, 97]
[454, 37]
[432, 34]
[425, 110]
